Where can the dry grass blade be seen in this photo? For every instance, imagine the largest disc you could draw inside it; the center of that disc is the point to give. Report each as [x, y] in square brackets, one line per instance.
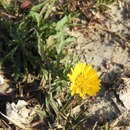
[15, 123]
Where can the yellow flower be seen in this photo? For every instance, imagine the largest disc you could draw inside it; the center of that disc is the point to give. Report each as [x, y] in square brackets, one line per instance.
[84, 80]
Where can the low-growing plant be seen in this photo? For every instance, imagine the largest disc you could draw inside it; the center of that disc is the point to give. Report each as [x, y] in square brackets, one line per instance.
[64, 110]
[35, 44]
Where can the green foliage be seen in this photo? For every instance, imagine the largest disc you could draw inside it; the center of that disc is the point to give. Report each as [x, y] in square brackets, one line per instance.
[105, 1]
[105, 127]
[35, 44]
[4, 3]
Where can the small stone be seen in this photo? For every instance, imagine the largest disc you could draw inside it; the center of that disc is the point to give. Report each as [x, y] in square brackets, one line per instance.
[1, 80]
[124, 93]
[5, 88]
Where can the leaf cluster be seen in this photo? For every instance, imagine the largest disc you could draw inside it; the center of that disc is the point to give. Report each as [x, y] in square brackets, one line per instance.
[34, 43]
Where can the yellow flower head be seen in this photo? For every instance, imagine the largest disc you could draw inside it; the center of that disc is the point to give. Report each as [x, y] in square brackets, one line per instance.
[84, 80]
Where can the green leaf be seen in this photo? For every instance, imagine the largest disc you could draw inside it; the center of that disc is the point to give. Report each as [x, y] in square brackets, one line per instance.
[45, 74]
[64, 43]
[64, 21]
[38, 7]
[36, 17]
[49, 8]
[4, 3]
[51, 42]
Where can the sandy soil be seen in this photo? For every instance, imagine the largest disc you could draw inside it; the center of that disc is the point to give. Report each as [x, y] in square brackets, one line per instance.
[107, 47]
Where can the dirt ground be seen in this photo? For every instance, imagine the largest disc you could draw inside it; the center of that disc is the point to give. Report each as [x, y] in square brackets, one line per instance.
[107, 46]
